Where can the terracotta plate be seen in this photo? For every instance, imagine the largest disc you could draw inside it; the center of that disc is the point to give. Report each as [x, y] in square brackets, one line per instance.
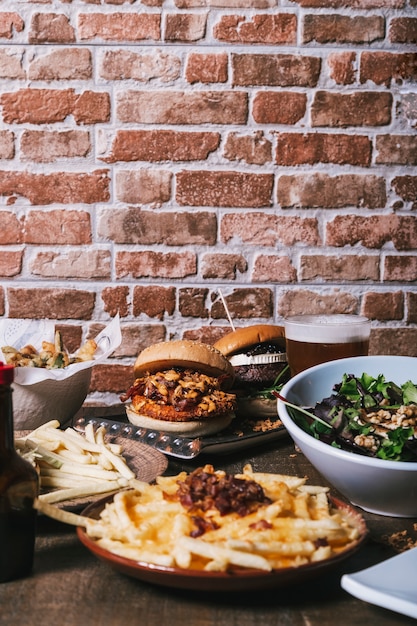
[236, 580]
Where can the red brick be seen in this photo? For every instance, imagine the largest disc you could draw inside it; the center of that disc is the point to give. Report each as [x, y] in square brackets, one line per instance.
[352, 4]
[383, 68]
[62, 64]
[193, 302]
[312, 148]
[262, 229]
[298, 301]
[245, 303]
[50, 28]
[342, 67]
[261, 29]
[373, 232]
[397, 341]
[185, 27]
[223, 266]
[2, 301]
[154, 301]
[144, 186]
[327, 192]
[135, 226]
[396, 149]
[57, 227]
[234, 189]
[136, 337]
[343, 29]
[340, 110]
[56, 303]
[401, 269]
[41, 106]
[10, 263]
[206, 68]
[279, 70]
[115, 300]
[406, 188]
[111, 378]
[411, 310]
[7, 150]
[321, 268]
[151, 264]
[206, 334]
[403, 30]
[11, 63]
[271, 107]
[71, 336]
[162, 145]
[119, 26]
[273, 268]
[59, 187]
[177, 107]
[48, 146]
[383, 306]
[78, 264]
[9, 23]
[254, 149]
[125, 64]
[11, 228]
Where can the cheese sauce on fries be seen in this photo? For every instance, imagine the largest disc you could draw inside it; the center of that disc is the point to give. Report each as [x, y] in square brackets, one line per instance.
[213, 521]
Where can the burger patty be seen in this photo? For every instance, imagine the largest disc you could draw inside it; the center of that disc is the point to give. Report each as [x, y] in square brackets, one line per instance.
[178, 395]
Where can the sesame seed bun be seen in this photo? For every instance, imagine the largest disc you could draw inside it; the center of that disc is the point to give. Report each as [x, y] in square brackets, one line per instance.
[186, 354]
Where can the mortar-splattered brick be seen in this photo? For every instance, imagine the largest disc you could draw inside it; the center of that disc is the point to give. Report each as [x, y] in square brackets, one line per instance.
[78, 264]
[223, 266]
[384, 67]
[50, 28]
[273, 268]
[185, 27]
[411, 308]
[192, 302]
[7, 144]
[48, 146]
[267, 230]
[403, 30]
[253, 149]
[115, 300]
[151, 227]
[245, 303]
[206, 68]
[62, 64]
[373, 232]
[396, 150]
[144, 186]
[11, 63]
[10, 263]
[224, 188]
[138, 336]
[342, 67]
[144, 67]
[58, 227]
[111, 378]
[258, 29]
[397, 341]
[151, 264]
[131, 27]
[11, 228]
[400, 268]
[322, 190]
[10, 22]
[352, 267]
[302, 301]
[278, 70]
[406, 188]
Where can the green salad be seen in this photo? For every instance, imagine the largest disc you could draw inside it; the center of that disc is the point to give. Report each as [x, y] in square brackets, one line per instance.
[366, 415]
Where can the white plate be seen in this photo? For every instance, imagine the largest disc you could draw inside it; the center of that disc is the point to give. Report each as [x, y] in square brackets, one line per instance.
[391, 584]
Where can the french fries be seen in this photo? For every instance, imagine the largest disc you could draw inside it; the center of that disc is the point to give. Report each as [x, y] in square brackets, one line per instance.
[51, 356]
[295, 525]
[73, 466]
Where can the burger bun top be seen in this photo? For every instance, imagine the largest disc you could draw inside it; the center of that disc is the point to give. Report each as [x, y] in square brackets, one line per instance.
[248, 336]
[186, 354]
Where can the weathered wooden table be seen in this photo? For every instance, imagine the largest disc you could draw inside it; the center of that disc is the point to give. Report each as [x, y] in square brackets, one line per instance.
[70, 587]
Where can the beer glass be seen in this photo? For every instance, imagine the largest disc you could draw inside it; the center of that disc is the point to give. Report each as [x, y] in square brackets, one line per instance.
[314, 339]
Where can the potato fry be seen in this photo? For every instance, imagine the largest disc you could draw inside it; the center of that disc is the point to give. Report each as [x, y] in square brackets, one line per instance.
[170, 523]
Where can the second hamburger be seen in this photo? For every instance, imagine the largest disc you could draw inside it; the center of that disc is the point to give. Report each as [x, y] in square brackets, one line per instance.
[257, 354]
[181, 386]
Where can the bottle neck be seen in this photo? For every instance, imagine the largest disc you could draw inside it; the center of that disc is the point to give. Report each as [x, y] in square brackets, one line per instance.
[6, 418]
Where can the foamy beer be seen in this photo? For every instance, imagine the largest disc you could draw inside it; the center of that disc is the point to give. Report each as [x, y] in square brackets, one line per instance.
[314, 339]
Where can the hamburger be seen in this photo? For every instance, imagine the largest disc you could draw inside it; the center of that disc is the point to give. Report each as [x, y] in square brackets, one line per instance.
[181, 386]
[257, 354]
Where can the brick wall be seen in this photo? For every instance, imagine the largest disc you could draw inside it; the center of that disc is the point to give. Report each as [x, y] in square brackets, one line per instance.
[153, 152]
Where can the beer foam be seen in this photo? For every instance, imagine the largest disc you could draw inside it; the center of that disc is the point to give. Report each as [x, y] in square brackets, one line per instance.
[327, 328]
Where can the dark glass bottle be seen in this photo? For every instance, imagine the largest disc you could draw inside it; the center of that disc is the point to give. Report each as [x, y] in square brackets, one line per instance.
[18, 489]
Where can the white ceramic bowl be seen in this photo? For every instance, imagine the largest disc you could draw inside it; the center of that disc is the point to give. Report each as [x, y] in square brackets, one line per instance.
[34, 405]
[375, 485]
